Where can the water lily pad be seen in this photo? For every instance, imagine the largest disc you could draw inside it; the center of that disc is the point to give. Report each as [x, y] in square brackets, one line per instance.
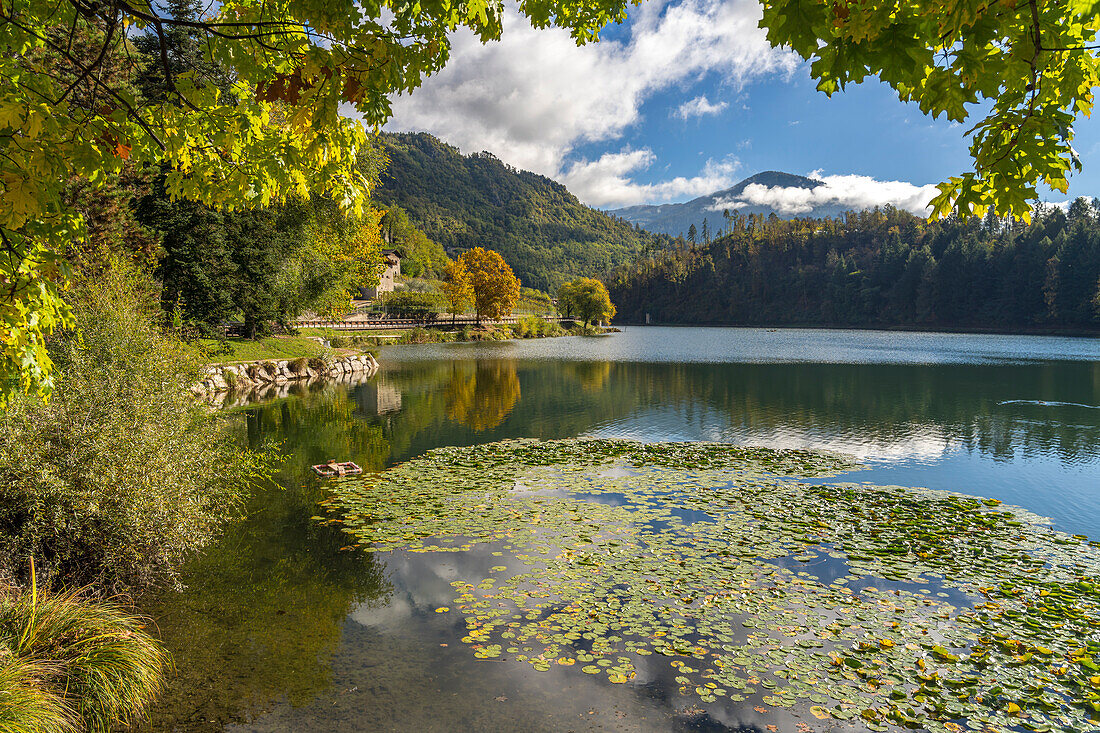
[894, 605]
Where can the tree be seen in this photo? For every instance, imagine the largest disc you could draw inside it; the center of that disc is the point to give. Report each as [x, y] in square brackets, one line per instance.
[339, 254]
[587, 297]
[456, 288]
[493, 286]
[220, 266]
[1030, 66]
[567, 306]
[270, 127]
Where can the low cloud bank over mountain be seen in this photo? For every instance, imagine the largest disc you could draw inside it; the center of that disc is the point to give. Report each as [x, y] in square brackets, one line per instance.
[785, 195]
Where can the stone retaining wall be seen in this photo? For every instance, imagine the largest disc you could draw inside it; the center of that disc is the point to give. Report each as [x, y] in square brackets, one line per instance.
[259, 375]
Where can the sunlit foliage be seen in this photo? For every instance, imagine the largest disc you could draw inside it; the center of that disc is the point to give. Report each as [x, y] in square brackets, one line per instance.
[1028, 67]
[267, 126]
[121, 476]
[494, 288]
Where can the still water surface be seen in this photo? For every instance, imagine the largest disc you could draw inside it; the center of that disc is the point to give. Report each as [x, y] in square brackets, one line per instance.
[278, 629]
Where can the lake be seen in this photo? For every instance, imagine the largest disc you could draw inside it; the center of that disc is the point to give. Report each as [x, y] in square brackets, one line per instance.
[279, 628]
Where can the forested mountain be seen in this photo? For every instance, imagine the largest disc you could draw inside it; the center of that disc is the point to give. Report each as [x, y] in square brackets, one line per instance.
[678, 219]
[466, 201]
[884, 267]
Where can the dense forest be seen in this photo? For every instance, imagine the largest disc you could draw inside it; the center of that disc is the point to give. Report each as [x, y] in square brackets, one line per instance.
[883, 267]
[466, 201]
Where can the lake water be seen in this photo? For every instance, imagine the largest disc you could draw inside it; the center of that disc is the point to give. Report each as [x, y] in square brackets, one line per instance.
[278, 629]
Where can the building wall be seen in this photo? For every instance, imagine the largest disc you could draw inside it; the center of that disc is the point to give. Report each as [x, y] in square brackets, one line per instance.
[386, 280]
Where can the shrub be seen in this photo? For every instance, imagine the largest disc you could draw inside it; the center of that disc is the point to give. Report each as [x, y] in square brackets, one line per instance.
[534, 327]
[338, 342]
[121, 476]
[68, 664]
[422, 307]
[270, 368]
[360, 340]
[299, 365]
[585, 329]
[324, 360]
[418, 336]
[490, 334]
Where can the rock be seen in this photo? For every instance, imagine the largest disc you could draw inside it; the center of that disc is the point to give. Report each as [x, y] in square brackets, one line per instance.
[244, 383]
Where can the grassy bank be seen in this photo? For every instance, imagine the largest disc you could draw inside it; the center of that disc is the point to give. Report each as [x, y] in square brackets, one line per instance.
[270, 348]
[526, 328]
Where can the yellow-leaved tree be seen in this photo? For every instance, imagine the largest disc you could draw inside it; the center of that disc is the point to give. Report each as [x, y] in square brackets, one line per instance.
[586, 298]
[343, 254]
[494, 286]
[456, 288]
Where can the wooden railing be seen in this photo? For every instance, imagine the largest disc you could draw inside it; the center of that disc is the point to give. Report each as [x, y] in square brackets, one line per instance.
[381, 324]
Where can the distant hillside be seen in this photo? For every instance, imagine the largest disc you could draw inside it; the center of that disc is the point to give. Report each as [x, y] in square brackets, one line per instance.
[465, 201]
[674, 219]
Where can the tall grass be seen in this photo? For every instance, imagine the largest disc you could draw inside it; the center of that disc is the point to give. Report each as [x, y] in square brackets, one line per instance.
[71, 664]
[25, 707]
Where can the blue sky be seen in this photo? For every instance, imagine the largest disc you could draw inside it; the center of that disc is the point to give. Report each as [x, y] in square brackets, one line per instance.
[684, 99]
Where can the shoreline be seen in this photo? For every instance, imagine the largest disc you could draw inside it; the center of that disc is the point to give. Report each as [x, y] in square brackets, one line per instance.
[969, 330]
[263, 379]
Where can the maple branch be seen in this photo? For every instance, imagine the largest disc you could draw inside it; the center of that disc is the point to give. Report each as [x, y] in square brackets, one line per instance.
[132, 113]
[109, 36]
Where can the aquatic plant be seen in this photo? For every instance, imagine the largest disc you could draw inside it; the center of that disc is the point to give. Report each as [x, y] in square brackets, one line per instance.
[891, 605]
[71, 664]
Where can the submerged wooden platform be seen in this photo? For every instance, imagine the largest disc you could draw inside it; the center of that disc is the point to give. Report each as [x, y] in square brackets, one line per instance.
[332, 468]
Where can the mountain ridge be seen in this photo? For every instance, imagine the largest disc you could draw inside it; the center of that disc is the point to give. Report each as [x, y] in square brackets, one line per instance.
[675, 219]
[542, 230]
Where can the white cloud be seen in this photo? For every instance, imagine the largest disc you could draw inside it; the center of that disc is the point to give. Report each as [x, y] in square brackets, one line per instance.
[607, 182]
[535, 95]
[850, 192]
[699, 107]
